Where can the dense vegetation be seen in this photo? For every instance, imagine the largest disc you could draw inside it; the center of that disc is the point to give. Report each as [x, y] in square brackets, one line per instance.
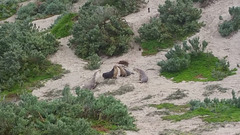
[211, 110]
[94, 62]
[100, 31]
[8, 8]
[63, 25]
[177, 20]
[44, 8]
[23, 52]
[124, 7]
[228, 27]
[191, 63]
[68, 115]
[204, 3]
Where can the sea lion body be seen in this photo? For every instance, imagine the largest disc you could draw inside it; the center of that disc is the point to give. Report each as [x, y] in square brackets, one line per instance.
[123, 72]
[92, 84]
[111, 74]
[123, 62]
[128, 72]
[115, 72]
[142, 76]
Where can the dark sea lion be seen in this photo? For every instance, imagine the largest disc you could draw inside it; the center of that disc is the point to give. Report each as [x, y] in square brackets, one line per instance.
[111, 74]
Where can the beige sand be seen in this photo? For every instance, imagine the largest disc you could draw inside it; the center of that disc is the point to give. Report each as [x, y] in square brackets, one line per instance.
[158, 87]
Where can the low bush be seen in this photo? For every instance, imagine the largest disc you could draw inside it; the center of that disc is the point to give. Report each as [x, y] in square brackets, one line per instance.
[94, 62]
[228, 27]
[180, 18]
[66, 115]
[211, 110]
[204, 3]
[124, 7]
[100, 31]
[44, 8]
[177, 20]
[191, 63]
[8, 8]
[64, 25]
[27, 11]
[23, 53]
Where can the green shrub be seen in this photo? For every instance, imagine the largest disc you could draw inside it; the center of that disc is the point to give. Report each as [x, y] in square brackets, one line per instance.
[27, 11]
[63, 26]
[177, 20]
[66, 115]
[94, 62]
[204, 3]
[180, 17]
[155, 30]
[124, 7]
[228, 27]
[179, 58]
[23, 52]
[212, 110]
[191, 63]
[222, 70]
[7, 8]
[55, 7]
[44, 8]
[100, 31]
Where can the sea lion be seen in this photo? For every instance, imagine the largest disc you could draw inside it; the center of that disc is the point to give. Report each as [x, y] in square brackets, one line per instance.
[92, 84]
[123, 62]
[128, 72]
[142, 76]
[124, 72]
[111, 74]
[115, 73]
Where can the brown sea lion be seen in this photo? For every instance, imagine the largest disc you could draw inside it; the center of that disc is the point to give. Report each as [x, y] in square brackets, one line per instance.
[142, 76]
[123, 72]
[123, 62]
[115, 73]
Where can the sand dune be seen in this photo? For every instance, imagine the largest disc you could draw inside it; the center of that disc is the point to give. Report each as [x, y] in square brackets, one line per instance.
[157, 87]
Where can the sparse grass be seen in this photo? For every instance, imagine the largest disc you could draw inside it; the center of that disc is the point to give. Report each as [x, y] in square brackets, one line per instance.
[188, 115]
[200, 69]
[152, 47]
[52, 93]
[210, 89]
[158, 113]
[64, 26]
[147, 97]
[220, 114]
[171, 107]
[179, 94]
[137, 108]
[102, 126]
[122, 90]
[108, 82]
[210, 110]
[173, 132]
[117, 132]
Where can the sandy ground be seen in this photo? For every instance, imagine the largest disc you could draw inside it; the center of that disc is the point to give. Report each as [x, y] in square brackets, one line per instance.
[157, 87]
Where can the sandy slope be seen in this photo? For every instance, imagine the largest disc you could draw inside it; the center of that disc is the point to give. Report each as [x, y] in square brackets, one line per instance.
[158, 87]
